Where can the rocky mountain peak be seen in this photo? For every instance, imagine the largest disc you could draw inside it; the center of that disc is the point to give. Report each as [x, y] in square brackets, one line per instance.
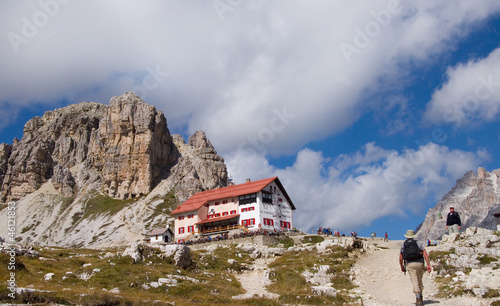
[476, 196]
[199, 141]
[123, 150]
[126, 145]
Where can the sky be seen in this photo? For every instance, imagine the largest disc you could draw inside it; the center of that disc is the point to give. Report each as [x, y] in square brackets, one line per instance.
[367, 111]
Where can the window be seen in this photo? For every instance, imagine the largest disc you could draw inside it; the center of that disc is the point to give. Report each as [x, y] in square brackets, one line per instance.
[224, 202]
[225, 213]
[269, 222]
[190, 216]
[248, 198]
[181, 230]
[190, 229]
[233, 212]
[217, 215]
[217, 203]
[285, 224]
[248, 222]
[280, 200]
[243, 209]
[181, 217]
[251, 208]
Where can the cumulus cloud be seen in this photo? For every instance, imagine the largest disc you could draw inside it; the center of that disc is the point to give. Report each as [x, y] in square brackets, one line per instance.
[229, 70]
[470, 94]
[353, 190]
[263, 78]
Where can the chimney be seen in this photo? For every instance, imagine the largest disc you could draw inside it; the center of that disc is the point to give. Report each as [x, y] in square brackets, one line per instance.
[248, 180]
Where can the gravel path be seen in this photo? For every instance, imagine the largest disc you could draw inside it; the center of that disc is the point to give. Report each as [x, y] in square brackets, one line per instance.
[255, 281]
[381, 281]
[377, 275]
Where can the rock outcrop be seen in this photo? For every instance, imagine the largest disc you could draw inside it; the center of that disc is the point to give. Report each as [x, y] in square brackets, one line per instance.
[90, 174]
[5, 150]
[472, 262]
[126, 146]
[476, 197]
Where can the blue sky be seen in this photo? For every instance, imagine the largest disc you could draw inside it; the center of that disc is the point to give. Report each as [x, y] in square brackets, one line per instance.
[368, 112]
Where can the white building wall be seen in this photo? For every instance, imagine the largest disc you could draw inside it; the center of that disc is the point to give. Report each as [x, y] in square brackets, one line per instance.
[185, 223]
[250, 211]
[154, 239]
[280, 210]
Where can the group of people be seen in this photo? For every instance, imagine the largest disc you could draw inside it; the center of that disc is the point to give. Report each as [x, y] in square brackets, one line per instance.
[414, 258]
[328, 232]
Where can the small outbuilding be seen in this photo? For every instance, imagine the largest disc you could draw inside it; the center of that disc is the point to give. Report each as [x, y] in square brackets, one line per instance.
[497, 219]
[161, 235]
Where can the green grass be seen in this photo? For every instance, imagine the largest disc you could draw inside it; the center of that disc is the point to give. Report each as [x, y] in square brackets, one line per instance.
[103, 204]
[312, 239]
[215, 272]
[287, 242]
[216, 285]
[290, 284]
[485, 260]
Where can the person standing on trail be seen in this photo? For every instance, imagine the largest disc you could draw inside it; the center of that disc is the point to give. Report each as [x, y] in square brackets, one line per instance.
[411, 259]
[453, 222]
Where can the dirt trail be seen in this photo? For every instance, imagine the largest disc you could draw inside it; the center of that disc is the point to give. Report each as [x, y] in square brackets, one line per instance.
[381, 281]
[255, 281]
[377, 275]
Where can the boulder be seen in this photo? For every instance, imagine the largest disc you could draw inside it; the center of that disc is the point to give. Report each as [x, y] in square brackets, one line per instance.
[134, 252]
[324, 290]
[181, 253]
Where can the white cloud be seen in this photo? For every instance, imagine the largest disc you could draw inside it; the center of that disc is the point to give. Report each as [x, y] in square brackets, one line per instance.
[471, 93]
[354, 190]
[229, 75]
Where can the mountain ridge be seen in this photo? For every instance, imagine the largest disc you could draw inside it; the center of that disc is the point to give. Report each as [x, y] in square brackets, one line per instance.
[91, 175]
[475, 196]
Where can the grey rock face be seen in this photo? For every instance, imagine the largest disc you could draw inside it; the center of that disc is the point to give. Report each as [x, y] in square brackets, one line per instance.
[132, 147]
[90, 150]
[60, 137]
[475, 197]
[5, 150]
[126, 145]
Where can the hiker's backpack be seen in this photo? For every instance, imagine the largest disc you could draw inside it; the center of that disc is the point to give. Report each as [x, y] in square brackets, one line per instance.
[411, 251]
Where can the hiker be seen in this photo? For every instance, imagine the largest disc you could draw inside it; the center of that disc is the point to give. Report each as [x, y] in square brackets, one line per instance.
[386, 237]
[411, 259]
[453, 222]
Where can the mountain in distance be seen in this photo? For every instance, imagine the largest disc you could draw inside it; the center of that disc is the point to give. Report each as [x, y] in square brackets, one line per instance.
[93, 175]
[476, 197]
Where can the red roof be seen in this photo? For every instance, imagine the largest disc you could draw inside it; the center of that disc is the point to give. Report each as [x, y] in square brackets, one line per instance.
[200, 198]
[219, 219]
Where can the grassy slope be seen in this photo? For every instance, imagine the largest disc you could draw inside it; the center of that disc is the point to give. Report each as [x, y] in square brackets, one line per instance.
[217, 284]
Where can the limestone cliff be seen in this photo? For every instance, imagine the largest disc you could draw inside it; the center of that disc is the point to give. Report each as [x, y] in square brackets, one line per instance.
[91, 174]
[476, 196]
